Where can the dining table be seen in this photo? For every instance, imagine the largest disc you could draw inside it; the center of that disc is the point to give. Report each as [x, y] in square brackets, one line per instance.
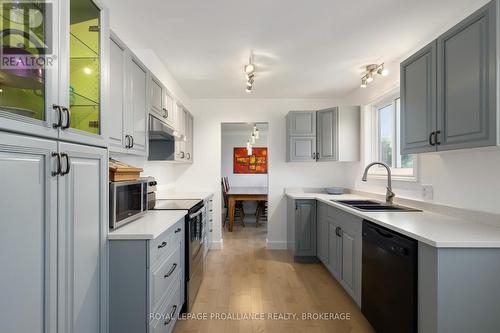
[243, 193]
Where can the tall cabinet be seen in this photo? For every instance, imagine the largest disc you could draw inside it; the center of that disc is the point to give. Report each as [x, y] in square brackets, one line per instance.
[54, 213]
[449, 88]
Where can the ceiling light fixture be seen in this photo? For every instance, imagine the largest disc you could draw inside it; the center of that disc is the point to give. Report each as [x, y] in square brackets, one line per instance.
[249, 73]
[370, 72]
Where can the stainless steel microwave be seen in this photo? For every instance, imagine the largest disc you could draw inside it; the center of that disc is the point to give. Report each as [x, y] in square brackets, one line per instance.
[128, 201]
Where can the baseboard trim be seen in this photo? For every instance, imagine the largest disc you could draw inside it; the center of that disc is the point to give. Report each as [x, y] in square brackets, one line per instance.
[275, 245]
[217, 245]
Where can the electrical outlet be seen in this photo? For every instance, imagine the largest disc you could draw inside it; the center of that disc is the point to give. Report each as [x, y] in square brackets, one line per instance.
[427, 192]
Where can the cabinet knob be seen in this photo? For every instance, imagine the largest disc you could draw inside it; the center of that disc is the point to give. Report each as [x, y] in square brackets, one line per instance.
[162, 245]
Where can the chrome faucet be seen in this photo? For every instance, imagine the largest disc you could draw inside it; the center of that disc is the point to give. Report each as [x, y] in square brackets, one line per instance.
[389, 195]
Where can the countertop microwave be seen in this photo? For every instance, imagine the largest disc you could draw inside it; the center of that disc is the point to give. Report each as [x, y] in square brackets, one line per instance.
[128, 200]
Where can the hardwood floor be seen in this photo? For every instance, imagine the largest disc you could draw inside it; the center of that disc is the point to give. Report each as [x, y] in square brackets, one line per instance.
[244, 278]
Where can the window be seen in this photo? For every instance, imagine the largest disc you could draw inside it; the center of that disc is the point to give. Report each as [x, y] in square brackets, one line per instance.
[385, 139]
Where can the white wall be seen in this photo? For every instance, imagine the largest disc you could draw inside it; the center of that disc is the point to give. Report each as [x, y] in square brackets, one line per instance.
[231, 139]
[205, 173]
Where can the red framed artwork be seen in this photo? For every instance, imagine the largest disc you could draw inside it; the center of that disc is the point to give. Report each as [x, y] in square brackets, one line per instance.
[254, 164]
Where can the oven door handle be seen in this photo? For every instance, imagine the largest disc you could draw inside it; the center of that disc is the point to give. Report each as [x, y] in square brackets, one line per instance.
[192, 216]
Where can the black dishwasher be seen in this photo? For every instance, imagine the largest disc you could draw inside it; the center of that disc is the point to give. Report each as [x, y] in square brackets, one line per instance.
[389, 280]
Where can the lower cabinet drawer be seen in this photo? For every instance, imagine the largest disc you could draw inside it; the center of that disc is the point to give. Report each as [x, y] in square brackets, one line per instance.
[165, 319]
[163, 277]
[162, 246]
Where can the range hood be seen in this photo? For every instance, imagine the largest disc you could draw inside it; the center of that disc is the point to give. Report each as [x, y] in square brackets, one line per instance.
[158, 130]
[161, 140]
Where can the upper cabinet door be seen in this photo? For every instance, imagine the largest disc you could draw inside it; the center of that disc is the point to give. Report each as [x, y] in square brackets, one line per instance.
[302, 123]
[116, 114]
[327, 127]
[301, 149]
[28, 92]
[157, 97]
[82, 231]
[84, 71]
[168, 108]
[418, 101]
[28, 234]
[467, 82]
[138, 104]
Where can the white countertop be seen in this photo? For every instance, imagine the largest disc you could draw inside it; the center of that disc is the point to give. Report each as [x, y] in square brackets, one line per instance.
[150, 226]
[433, 229]
[184, 195]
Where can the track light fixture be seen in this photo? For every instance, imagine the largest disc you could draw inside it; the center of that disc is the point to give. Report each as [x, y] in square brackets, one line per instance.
[249, 73]
[371, 70]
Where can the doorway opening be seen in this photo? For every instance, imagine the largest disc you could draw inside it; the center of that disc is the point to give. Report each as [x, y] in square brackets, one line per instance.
[244, 179]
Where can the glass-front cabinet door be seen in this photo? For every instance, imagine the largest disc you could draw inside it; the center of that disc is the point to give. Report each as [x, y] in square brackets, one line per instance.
[84, 71]
[29, 67]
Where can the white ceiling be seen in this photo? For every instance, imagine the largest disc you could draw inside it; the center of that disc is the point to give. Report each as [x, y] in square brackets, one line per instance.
[303, 49]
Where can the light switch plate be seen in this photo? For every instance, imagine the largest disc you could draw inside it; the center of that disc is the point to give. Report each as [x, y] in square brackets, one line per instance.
[428, 192]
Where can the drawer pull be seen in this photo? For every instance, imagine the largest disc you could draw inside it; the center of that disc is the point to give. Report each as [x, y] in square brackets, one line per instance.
[172, 314]
[162, 245]
[170, 271]
[177, 230]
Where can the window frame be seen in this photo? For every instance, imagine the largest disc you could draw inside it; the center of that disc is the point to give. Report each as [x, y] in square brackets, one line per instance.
[378, 172]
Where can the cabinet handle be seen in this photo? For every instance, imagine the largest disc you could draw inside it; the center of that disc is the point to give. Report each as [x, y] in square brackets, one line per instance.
[182, 154]
[68, 118]
[162, 245]
[166, 113]
[338, 231]
[58, 168]
[188, 156]
[127, 141]
[177, 230]
[172, 269]
[436, 138]
[132, 139]
[59, 116]
[172, 313]
[68, 164]
[432, 136]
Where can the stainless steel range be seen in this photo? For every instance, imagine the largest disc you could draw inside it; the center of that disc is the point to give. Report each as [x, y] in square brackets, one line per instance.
[195, 229]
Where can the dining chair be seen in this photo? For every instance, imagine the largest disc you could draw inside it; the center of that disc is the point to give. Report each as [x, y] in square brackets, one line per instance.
[238, 211]
[261, 212]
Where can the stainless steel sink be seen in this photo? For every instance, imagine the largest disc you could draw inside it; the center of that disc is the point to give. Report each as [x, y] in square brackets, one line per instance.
[374, 206]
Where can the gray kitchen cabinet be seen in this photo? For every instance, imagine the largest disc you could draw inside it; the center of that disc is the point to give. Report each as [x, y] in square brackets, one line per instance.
[418, 100]
[184, 142]
[138, 104]
[301, 149]
[351, 237]
[58, 208]
[322, 233]
[28, 235]
[117, 87]
[452, 104]
[82, 253]
[302, 123]
[467, 105]
[344, 250]
[129, 80]
[334, 248]
[147, 290]
[162, 103]
[301, 231]
[325, 135]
